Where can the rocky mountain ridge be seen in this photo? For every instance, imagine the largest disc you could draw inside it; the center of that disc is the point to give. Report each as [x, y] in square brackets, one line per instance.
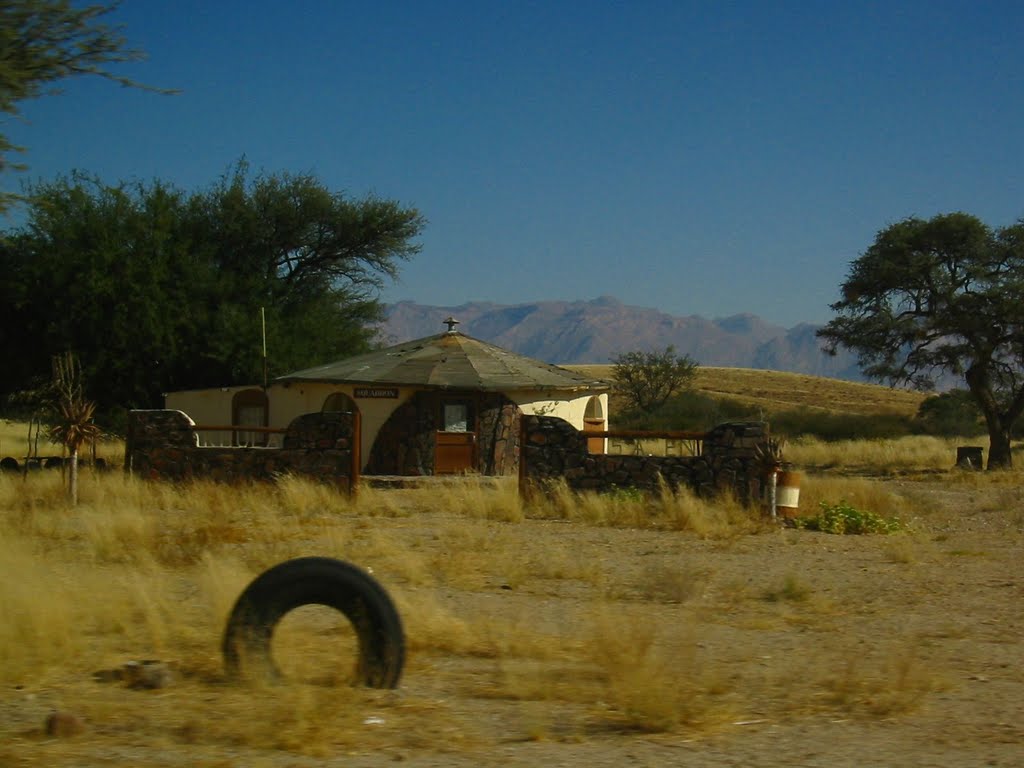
[595, 331]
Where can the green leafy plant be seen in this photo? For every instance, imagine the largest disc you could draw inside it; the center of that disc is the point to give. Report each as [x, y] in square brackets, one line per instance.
[647, 380]
[842, 518]
[626, 493]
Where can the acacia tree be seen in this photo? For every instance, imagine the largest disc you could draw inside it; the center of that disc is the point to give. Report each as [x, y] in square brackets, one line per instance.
[107, 271]
[161, 290]
[941, 296]
[43, 42]
[648, 379]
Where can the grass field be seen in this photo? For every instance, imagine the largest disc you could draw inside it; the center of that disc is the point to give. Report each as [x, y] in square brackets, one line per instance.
[570, 629]
[17, 441]
[566, 629]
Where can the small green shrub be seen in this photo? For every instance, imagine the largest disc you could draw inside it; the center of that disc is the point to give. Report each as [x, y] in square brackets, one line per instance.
[688, 410]
[838, 426]
[697, 410]
[842, 518]
[953, 413]
[626, 493]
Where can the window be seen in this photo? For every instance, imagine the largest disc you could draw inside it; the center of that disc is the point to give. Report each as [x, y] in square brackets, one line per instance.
[456, 417]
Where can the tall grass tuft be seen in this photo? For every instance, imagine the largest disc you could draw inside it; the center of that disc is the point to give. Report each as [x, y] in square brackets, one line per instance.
[645, 683]
[485, 498]
[681, 509]
[895, 684]
[668, 509]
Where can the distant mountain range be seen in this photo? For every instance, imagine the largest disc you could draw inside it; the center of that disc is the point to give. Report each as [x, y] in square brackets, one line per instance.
[567, 332]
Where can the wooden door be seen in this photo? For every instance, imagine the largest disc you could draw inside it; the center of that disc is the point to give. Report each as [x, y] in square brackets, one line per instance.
[454, 452]
[455, 442]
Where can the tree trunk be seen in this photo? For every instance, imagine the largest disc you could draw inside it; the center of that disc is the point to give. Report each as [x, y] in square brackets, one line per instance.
[997, 422]
[73, 478]
[999, 456]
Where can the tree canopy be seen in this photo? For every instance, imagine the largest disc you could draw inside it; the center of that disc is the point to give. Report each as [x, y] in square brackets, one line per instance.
[646, 380]
[43, 42]
[941, 296]
[156, 289]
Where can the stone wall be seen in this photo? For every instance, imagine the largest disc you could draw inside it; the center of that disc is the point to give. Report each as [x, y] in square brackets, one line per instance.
[405, 443]
[553, 448]
[499, 435]
[164, 445]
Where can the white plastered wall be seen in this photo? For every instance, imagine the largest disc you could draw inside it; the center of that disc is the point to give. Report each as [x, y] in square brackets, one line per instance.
[211, 407]
[292, 400]
[574, 407]
[286, 403]
[571, 406]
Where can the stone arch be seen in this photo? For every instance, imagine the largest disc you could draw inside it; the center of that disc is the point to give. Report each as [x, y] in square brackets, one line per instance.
[339, 402]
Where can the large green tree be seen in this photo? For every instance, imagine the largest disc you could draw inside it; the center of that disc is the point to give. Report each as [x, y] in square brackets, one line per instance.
[646, 380]
[156, 289]
[43, 42]
[941, 296]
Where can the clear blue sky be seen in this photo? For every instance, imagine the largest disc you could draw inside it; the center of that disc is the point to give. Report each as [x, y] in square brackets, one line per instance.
[698, 157]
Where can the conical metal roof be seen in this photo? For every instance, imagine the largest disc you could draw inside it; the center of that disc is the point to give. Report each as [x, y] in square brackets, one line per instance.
[449, 360]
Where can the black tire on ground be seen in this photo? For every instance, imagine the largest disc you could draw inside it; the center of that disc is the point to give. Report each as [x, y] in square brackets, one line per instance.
[316, 581]
[8, 464]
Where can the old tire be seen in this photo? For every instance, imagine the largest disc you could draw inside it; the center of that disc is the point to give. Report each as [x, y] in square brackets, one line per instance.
[316, 581]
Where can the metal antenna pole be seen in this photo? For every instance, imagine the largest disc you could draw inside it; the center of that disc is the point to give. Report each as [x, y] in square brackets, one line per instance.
[263, 325]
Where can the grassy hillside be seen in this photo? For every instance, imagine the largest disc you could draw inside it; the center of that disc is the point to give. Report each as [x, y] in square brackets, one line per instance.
[775, 391]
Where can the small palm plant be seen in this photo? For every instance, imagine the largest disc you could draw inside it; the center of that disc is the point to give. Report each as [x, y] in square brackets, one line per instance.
[768, 456]
[73, 415]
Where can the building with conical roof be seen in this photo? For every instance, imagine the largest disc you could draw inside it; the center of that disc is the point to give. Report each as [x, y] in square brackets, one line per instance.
[443, 404]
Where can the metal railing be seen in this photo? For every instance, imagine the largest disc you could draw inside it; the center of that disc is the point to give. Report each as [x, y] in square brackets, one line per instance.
[630, 442]
[239, 436]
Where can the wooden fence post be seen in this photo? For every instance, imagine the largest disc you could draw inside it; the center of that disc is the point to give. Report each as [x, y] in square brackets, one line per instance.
[522, 457]
[357, 458]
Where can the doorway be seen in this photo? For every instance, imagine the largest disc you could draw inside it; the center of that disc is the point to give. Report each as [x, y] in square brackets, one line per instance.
[455, 441]
[249, 409]
[594, 421]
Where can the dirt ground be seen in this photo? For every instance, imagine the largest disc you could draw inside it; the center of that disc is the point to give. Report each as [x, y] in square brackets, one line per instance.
[798, 649]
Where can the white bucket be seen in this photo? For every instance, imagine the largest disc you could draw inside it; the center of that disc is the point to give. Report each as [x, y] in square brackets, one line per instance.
[787, 494]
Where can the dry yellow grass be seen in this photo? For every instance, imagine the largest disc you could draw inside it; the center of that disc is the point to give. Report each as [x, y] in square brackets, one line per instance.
[912, 453]
[774, 391]
[154, 574]
[564, 620]
[17, 442]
